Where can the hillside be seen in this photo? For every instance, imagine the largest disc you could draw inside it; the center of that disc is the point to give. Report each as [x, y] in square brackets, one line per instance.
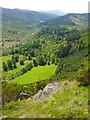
[41, 48]
[69, 102]
[69, 20]
[71, 65]
[23, 17]
[21, 24]
[56, 12]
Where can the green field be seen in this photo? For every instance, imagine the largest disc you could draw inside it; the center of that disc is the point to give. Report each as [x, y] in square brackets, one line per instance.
[37, 73]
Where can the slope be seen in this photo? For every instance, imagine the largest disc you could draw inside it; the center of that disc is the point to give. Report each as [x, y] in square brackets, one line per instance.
[69, 102]
[21, 24]
[70, 19]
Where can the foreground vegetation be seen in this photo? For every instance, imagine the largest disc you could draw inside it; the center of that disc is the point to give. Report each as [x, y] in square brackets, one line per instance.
[71, 101]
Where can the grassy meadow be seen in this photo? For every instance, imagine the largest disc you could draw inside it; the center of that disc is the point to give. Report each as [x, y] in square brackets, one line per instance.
[37, 73]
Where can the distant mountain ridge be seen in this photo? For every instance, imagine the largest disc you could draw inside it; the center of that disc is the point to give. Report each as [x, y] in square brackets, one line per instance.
[26, 23]
[68, 19]
[57, 12]
[29, 17]
[23, 16]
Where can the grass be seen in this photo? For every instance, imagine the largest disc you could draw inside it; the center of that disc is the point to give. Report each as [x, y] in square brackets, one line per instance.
[71, 101]
[37, 73]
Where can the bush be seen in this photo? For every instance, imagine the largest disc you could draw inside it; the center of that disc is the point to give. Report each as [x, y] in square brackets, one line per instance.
[84, 76]
[29, 57]
[14, 64]
[41, 60]
[35, 63]
[48, 63]
[5, 68]
[29, 66]
[21, 62]
[9, 62]
[55, 63]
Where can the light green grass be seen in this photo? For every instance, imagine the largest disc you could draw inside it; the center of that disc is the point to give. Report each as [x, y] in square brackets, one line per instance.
[37, 73]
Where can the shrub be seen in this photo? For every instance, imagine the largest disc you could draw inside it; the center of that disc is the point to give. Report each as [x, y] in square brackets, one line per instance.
[5, 67]
[48, 63]
[84, 76]
[29, 57]
[14, 63]
[9, 62]
[55, 63]
[21, 62]
[41, 60]
[35, 63]
[29, 66]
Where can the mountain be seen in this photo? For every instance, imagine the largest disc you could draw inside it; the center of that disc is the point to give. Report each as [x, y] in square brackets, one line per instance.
[70, 19]
[57, 12]
[20, 24]
[23, 24]
[17, 16]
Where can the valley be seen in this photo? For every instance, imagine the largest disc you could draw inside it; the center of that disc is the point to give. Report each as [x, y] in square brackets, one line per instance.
[40, 48]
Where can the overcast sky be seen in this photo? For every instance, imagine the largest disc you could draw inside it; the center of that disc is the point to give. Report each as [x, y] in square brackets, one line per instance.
[69, 6]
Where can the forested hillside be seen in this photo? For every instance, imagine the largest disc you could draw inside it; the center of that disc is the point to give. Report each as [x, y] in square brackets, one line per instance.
[70, 19]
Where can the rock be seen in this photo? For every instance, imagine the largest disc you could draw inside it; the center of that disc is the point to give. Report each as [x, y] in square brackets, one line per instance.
[23, 96]
[3, 117]
[50, 88]
[39, 95]
[22, 117]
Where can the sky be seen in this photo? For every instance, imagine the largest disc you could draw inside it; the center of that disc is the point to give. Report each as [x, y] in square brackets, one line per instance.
[68, 6]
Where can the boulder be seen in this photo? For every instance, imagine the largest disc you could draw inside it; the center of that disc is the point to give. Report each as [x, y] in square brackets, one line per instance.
[51, 88]
[39, 95]
[23, 96]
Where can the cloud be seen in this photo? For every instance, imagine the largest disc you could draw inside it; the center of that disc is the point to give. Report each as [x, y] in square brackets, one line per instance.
[64, 5]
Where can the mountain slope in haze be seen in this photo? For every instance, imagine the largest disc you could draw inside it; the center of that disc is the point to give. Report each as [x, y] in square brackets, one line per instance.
[23, 16]
[70, 19]
[22, 24]
[57, 12]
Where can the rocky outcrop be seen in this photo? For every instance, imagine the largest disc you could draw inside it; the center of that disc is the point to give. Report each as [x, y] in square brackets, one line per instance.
[49, 88]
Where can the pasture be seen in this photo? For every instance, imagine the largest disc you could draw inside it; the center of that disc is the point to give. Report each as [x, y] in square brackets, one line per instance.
[37, 73]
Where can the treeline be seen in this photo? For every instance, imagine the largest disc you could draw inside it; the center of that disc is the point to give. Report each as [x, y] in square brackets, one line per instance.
[15, 74]
[11, 64]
